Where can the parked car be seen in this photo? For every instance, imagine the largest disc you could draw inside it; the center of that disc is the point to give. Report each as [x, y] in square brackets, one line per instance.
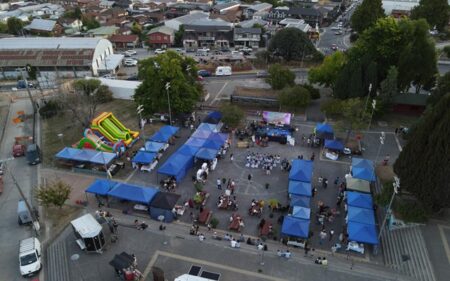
[246, 49]
[179, 50]
[236, 53]
[23, 214]
[204, 49]
[22, 85]
[159, 51]
[339, 32]
[336, 28]
[109, 76]
[133, 77]
[30, 256]
[262, 74]
[223, 71]
[203, 73]
[130, 62]
[33, 154]
[131, 52]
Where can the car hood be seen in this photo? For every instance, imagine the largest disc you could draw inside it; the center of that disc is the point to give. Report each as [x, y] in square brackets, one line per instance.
[30, 268]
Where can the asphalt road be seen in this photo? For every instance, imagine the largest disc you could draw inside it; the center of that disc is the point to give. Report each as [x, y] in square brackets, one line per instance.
[26, 176]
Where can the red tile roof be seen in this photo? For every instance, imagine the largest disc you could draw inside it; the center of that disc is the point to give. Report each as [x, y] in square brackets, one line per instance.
[119, 38]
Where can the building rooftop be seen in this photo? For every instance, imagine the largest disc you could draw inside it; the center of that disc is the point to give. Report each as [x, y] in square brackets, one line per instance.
[260, 6]
[252, 22]
[48, 43]
[247, 30]
[39, 24]
[163, 29]
[104, 30]
[120, 38]
[190, 18]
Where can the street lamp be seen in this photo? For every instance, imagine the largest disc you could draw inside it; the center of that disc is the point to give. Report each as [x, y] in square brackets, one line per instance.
[396, 185]
[374, 105]
[168, 102]
[382, 138]
[140, 108]
[61, 137]
[161, 219]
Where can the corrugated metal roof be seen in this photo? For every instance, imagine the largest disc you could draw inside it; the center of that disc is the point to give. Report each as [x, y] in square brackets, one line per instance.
[21, 43]
[40, 24]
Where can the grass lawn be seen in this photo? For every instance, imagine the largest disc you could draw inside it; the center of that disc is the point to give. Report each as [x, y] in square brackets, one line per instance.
[72, 131]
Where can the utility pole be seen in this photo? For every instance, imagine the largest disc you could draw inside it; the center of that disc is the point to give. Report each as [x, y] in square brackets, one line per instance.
[139, 110]
[168, 102]
[32, 102]
[396, 185]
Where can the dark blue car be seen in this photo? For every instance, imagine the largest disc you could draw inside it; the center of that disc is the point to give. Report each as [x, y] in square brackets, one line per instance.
[204, 73]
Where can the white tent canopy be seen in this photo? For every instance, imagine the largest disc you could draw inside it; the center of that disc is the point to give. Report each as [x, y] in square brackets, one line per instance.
[86, 226]
[357, 184]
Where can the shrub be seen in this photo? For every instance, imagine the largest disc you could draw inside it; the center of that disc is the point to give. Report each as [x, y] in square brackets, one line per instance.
[313, 92]
[198, 186]
[50, 109]
[411, 212]
[214, 222]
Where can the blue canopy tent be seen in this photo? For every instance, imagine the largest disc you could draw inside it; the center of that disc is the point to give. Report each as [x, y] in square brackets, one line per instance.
[298, 200]
[334, 145]
[101, 187]
[295, 227]
[162, 205]
[300, 188]
[219, 137]
[363, 169]
[324, 131]
[160, 137]
[207, 127]
[206, 153]
[86, 155]
[363, 233]
[195, 142]
[301, 212]
[133, 193]
[169, 130]
[360, 215]
[152, 146]
[361, 200]
[188, 150]
[177, 166]
[144, 157]
[301, 170]
[213, 117]
[212, 144]
[201, 134]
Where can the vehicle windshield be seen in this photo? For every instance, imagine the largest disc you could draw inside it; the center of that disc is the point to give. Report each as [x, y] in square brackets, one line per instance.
[28, 259]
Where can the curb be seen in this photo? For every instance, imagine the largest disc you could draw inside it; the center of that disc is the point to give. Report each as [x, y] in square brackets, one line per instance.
[2, 133]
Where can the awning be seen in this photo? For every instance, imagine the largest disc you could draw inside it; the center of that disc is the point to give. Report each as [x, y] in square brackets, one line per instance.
[201, 134]
[334, 144]
[144, 157]
[133, 193]
[363, 233]
[324, 130]
[86, 155]
[186, 149]
[111, 62]
[301, 212]
[301, 170]
[152, 146]
[295, 227]
[195, 142]
[360, 215]
[101, 187]
[86, 226]
[208, 127]
[206, 153]
[300, 188]
[358, 199]
[357, 184]
[297, 200]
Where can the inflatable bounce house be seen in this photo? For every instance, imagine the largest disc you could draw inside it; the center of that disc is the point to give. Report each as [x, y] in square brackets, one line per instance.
[107, 134]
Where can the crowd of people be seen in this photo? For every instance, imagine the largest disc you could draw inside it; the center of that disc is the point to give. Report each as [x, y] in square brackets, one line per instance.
[169, 184]
[263, 161]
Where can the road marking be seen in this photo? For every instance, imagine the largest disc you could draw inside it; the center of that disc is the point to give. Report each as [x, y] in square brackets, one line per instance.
[203, 262]
[398, 143]
[219, 93]
[444, 240]
[131, 175]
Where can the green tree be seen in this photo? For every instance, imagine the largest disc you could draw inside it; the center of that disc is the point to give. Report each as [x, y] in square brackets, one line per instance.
[53, 193]
[280, 77]
[292, 44]
[435, 12]
[15, 25]
[446, 51]
[74, 13]
[179, 37]
[442, 88]
[232, 115]
[156, 72]
[294, 98]
[388, 87]
[136, 28]
[423, 163]
[3, 27]
[83, 103]
[332, 108]
[366, 15]
[327, 73]
[89, 22]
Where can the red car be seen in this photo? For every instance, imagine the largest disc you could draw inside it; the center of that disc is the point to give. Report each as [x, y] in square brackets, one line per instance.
[18, 150]
[334, 47]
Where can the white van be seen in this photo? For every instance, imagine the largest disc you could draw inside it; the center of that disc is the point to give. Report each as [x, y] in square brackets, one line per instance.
[30, 256]
[223, 71]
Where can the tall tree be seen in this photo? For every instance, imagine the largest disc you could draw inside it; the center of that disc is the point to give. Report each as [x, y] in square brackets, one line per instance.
[435, 12]
[423, 164]
[156, 72]
[388, 87]
[15, 25]
[232, 115]
[53, 193]
[292, 44]
[366, 15]
[442, 88]
[294, 98]
[280, 77]
[327, 73]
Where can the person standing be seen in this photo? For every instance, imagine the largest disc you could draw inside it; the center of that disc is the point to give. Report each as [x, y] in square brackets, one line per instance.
[219, 184]
[336, 181]
[231, 157]
[324, 183]
[386, 159]
[330, 234]
[249, 177]
[323, 236]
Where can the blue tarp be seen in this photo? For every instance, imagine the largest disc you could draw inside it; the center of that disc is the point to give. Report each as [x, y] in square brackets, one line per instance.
[212, 144]
[301, 170]
[101, 187]
[144, 157]
[152, 146]
[133, 193]
[363, 233]
[334, 144]
[295, 227]
[160, 137]
[207, 127]
[188, 150]
[301, 212]
[86, 155]
[213, 117]
[169, 130]
[177, 166]
[195, 142]
[219, 137]
[201, 134]
[206, 153]
[324, 131]
[300, 188]
[361, 200]
[361, 215]
[297, 200]
[363, 169]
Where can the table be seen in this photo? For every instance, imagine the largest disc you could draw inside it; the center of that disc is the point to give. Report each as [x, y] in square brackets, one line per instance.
[224, 204]
[235, 224]
[205, 216]
[265, 229]
[255, 210]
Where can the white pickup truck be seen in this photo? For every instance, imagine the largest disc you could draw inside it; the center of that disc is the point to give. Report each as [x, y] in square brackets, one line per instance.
[30, 256]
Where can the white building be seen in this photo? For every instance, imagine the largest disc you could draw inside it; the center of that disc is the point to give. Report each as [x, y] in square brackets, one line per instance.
[400, 5]
[58, 56]
[52, 11]
[189, 19]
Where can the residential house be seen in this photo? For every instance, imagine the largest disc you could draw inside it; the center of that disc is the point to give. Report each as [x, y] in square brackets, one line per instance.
[247, 37]
[208, 33]
[296, 23]
[114, 13]
[25, 10]
[259, 9]
[311, 16]
[71, 26]
[121, 42]
[44, 27]
[161, 37]
[252, 22]
[225, 7]
[105, 4]
[186, 20]
[277, 14]
[124, 4]
[103, 31]
[229, 12]
[181, 9]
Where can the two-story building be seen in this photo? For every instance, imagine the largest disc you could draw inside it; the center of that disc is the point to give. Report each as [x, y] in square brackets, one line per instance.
[311, 16]
[121, 41]
[247, 37]
[277, 14]
[258, 9]
[208, 33]
[161, 37]
[180, 9]
[71, 26]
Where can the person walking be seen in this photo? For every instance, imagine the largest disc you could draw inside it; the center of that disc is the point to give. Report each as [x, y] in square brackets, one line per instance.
[386, 159]
[313, 155]
[336, 182]
[249, 177]
[325, 183]
[330, 234]
[231, 157]
[323, 236]
[219, 184]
